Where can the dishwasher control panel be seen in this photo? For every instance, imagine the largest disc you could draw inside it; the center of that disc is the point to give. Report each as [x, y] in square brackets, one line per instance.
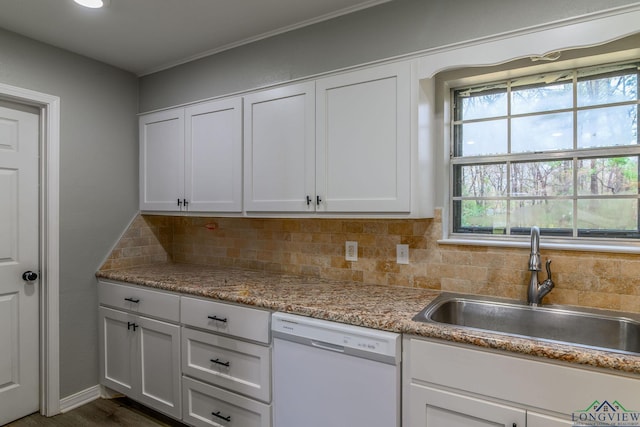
[334, 336]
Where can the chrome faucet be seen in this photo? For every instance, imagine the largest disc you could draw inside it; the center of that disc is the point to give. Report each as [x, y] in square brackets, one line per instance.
[536, 291]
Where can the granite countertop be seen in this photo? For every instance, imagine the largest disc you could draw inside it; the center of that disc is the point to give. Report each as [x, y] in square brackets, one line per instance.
[380, 307]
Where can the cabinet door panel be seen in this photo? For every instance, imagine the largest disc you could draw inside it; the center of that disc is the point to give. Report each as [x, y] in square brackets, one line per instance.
[139, 300]
[242, 322]
[279, 135]
[159, 359]
[438, 408]
[213, 154]
[363, 145]
[117, 346]
[202, 401]
[235, 365]
[162, 160]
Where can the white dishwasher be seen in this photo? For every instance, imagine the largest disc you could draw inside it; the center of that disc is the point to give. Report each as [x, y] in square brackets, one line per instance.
[328, 374]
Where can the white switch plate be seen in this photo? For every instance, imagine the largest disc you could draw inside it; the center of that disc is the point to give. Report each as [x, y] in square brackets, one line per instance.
[402, 254]
[351, 251]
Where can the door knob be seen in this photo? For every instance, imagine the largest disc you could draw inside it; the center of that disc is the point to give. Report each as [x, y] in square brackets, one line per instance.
[29, 276]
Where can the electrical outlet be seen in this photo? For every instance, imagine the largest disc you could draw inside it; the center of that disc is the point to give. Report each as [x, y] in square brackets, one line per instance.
[402, 254]
[351, 251]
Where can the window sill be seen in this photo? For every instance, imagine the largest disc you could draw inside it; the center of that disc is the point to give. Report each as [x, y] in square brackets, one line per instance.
[550, 243]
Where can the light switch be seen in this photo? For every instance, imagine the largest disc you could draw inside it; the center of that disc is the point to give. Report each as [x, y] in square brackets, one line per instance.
[402, 254]
[351, 251]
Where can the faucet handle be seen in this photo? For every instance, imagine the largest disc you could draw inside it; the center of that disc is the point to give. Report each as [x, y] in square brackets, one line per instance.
[548, 267]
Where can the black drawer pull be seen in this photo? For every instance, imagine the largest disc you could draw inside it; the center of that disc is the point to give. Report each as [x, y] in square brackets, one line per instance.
[217, 319]
[227, 364]
[134, 300]
[131, 325]
[217, 414]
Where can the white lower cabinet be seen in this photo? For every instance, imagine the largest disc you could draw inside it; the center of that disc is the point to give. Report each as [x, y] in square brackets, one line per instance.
[449, 385]
[230, 363]
[541, 420]
[226, 364]
[141, 359]
[435, 407]
[205, 362]
[206, 406]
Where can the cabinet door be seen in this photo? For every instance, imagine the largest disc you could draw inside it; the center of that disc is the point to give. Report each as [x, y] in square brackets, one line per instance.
[430, 407]
[213, 154]
[279, 135]
[159, 365]
[363, 140]
[162, 160]
[117, 348]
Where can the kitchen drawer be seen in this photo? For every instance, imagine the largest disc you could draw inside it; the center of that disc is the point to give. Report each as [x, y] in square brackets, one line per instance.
[201, 401]
[140, 301]
[249, 370]
[242, 322]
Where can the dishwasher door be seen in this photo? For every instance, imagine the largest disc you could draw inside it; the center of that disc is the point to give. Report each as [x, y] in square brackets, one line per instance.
[321, 383]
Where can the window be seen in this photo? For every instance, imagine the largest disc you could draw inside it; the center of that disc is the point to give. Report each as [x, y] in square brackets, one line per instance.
[557, 150]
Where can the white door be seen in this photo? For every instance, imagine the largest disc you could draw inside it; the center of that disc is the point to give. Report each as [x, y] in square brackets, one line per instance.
[279, 135]
[117, 342]
[19, 298]
[213, 156]
[159, 369]
[430, 407]
[162, 161]
[363, 142]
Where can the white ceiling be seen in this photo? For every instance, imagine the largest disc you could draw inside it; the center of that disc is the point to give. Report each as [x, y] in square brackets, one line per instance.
[143, 36]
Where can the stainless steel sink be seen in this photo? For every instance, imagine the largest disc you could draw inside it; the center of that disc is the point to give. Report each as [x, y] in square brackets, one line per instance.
[583, 327]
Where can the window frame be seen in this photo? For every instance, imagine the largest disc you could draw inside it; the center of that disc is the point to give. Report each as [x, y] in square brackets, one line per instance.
[599, 240]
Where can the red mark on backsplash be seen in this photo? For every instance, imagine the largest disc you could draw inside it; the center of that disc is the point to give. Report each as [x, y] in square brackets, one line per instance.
[211, 226]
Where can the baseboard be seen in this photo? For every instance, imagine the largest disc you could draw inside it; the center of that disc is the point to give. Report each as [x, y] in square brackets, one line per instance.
[80, 398]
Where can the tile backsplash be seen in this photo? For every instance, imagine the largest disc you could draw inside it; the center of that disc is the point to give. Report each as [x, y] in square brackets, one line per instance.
[316, 247]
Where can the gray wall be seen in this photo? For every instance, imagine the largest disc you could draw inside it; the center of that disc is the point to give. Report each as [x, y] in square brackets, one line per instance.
[391, 29]
[98, 181]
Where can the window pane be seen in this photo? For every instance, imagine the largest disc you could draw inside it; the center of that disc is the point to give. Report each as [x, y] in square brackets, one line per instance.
[553, 214]
[607, 90]
[606, 127]
[542, 179]
[488, 216]
[542, 98]
[480, 106]
[608, 214]
[480, 180]
[608, 176]
[544, 132]
[482, 138]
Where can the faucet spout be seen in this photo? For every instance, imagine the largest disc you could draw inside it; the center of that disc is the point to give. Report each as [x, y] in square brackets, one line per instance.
[536, 291]
[534, 259]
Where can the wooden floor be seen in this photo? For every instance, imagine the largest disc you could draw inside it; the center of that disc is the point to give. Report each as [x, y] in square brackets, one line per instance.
[101, 412]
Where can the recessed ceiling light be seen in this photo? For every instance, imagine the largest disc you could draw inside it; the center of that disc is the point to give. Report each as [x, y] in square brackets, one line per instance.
[93, 4]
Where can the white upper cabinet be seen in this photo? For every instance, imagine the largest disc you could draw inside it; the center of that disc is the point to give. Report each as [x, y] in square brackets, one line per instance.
[363, 140]
[279, 149]
[341, 144]
[191, 158]
[213, 154]
[162, 160]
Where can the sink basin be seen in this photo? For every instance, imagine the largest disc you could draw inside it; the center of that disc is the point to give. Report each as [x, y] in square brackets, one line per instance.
[570, 325]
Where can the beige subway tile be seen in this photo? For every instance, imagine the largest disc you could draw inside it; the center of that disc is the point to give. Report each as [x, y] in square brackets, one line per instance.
[599, 300]
[374, 277]
[352, 226]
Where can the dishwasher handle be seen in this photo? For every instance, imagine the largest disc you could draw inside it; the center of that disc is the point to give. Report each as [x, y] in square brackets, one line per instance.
[327, 346]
